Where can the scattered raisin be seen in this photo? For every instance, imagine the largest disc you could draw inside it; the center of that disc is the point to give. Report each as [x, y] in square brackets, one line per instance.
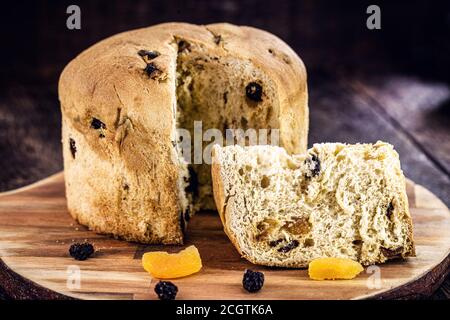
[390, 210]
[391, 253]
[166, 290]
[153, 71]
[73, 147]
[253, 281]
[149, 54]
[254, 92]
[81, 251]
[291, 245]
[97, 124]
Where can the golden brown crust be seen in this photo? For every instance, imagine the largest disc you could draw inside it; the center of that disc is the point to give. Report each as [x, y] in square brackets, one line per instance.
[123, 177]
[222, 200]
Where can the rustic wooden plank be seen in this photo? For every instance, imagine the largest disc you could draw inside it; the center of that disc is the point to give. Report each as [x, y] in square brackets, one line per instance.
[35, 257]
[420, 108]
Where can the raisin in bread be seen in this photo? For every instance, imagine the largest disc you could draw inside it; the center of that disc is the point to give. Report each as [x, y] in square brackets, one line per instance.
[336, 200]
[123, 99]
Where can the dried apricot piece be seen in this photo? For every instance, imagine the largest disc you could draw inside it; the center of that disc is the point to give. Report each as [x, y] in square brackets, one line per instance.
[164, 265]
[334, 268]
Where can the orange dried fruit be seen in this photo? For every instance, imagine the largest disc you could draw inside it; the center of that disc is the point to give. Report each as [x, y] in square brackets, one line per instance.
[334, 268]
[164, 265]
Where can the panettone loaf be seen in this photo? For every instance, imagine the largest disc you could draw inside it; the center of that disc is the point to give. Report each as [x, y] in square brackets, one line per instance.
[336, 200]
[123, 99]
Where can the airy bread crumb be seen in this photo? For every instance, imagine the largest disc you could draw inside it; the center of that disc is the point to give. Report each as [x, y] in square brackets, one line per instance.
[337, 200]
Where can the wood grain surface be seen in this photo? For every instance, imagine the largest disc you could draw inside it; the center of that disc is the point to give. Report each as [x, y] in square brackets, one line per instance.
[390, 84]
[36, 231]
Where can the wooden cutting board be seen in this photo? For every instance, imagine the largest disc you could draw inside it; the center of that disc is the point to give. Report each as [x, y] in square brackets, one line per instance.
[36, 231]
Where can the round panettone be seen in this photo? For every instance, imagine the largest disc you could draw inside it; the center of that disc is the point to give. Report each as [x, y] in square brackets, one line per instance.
[128, 101]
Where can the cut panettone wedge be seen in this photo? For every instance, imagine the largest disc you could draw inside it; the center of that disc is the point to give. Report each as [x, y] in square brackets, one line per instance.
[337, 200]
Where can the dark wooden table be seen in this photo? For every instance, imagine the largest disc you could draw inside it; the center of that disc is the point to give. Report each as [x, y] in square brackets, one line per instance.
[392, 84]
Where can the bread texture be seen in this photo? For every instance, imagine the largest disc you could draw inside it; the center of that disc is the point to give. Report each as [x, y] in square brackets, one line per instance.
[337, 200]
[124, 99]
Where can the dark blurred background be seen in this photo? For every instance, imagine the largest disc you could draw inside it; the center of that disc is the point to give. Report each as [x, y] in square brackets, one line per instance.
[391, 84]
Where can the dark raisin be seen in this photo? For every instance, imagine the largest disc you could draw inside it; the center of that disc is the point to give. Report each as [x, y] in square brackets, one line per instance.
[390, 210]
[253, 91]
[166, 290]
[73, 147]
[357, 242]
[97, 124]
[314, 165]
[316, 168]
[291, 245]
[253, 281]
[153, 71]
[149, 54]
[183, 45]
[274, 243]
[193, 182]
[391, 253]
[81, 251]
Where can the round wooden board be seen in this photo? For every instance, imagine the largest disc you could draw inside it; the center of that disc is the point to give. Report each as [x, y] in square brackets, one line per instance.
[36, 231]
